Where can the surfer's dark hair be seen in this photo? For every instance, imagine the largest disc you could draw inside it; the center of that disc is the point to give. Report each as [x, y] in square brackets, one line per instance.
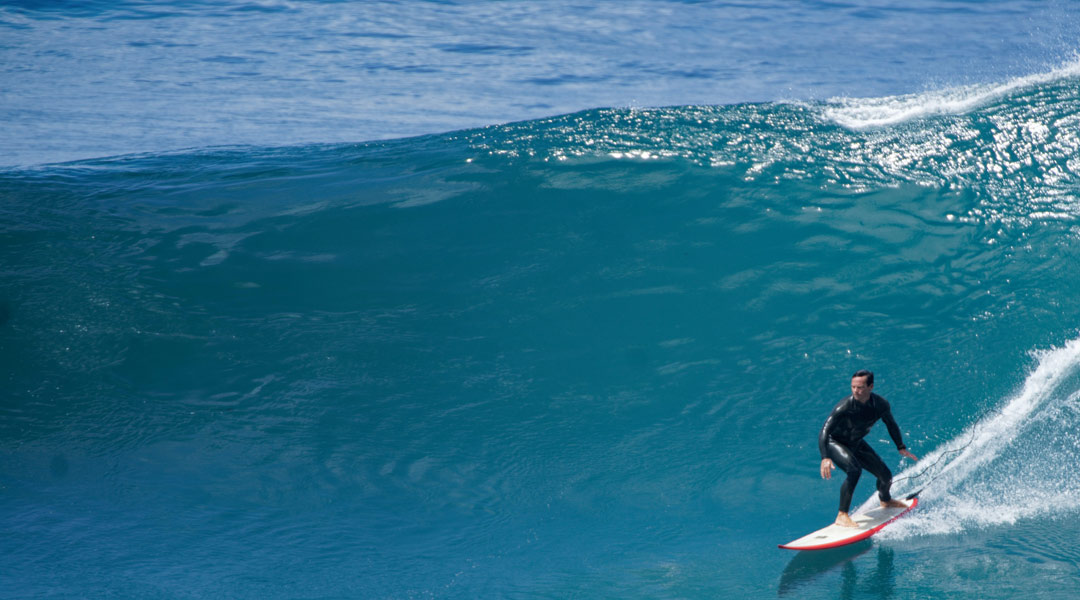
[869, 375]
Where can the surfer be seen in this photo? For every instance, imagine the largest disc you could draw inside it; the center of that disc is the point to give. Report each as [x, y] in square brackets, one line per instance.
[841, 443]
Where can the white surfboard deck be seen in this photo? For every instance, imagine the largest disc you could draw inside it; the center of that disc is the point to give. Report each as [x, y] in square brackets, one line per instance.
[833, 536]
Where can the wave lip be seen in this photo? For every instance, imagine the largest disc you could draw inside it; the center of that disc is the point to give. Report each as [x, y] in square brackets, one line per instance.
[862, 113]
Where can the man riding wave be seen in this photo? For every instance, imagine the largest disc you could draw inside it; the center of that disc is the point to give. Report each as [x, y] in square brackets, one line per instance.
[841, 443]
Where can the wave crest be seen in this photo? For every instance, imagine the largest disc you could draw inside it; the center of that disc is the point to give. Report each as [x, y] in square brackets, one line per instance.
[861, 113]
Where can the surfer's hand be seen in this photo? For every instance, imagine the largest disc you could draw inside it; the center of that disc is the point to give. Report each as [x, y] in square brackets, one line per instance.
[826, 468]
[904, 452]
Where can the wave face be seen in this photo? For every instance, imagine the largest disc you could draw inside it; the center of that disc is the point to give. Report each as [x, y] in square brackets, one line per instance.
[579, 356]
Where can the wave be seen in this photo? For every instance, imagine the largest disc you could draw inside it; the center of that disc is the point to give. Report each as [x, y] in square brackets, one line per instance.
[1016, 463]
[1010, 147]
[860, 113]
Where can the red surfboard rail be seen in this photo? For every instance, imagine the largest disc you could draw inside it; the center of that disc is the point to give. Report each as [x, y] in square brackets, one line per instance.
[862, 535]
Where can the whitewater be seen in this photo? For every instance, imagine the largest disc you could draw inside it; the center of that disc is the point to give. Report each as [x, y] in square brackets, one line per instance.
[1010, 465]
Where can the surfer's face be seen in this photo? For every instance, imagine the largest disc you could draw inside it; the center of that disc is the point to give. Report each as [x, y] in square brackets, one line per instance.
[860, 390]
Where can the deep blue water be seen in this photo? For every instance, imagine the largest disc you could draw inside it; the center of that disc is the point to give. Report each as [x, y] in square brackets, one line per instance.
[583, 354]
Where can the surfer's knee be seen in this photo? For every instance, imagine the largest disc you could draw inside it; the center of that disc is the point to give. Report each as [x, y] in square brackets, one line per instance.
[853, 474]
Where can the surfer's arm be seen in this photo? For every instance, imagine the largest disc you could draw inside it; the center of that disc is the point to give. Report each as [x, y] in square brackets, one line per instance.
[826, 429]
[894, 431]
[823, 444]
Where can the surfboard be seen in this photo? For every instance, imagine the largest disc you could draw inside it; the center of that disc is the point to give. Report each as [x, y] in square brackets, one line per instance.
[834, 536]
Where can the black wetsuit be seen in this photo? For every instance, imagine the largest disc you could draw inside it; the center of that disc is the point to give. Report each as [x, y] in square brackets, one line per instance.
[841, 440]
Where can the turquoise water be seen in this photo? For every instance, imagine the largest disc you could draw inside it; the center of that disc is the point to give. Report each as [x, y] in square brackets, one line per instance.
[585, 356]
[572, 356]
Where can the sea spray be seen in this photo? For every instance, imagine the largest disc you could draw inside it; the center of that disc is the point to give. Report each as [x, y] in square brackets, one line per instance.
[859, 113]
[1016, 462]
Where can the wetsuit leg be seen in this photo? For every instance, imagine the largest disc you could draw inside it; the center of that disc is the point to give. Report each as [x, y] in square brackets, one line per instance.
[873, 463]
[845, 460]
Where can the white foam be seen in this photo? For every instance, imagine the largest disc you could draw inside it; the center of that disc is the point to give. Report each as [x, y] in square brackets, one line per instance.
[963, 489]
[860, 113]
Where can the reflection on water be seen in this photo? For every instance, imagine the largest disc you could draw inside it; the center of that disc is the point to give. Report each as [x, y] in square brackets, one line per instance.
[808, 566]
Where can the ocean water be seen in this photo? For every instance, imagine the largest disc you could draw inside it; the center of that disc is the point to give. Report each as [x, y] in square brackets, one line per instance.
[98, 78]
[565, 344]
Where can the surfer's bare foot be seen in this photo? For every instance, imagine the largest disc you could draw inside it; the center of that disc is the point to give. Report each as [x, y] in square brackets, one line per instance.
[893, 504]
[844, 520]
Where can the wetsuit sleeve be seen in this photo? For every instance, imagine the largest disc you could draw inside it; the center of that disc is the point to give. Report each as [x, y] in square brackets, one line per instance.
[894, 429]
[826, 429]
